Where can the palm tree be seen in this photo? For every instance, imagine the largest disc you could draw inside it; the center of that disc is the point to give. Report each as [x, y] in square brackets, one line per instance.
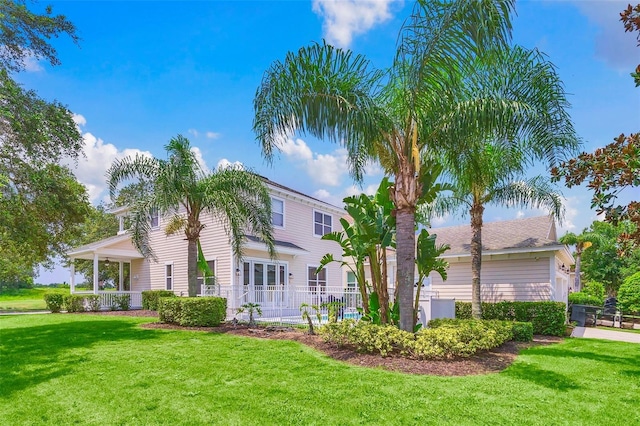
[181, 191]
[582, 242]
[529, 102]
[393, 116]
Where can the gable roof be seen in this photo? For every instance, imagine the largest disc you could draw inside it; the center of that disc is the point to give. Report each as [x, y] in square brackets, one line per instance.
[529, 234]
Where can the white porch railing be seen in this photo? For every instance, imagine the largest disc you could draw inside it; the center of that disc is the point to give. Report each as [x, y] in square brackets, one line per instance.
[110, 298]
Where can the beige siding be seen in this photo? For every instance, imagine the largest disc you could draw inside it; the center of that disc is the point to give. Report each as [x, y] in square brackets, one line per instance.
[215, 243]
[524, 279]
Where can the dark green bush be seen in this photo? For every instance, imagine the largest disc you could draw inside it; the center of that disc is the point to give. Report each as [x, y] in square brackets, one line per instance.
[74, 303]
[202, 311]
[169, 310]
[151, 298]
[193, 311]
[629, 294]
[582, 298]
[93, 302]
[54, 301]
[547, 318]
[522, 331]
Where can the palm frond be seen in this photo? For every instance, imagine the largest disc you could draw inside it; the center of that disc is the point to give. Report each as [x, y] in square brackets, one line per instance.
[537, 192]
[324, 91]
[140, 166]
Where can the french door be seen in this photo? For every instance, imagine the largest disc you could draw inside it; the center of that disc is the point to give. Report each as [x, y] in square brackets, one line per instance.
[265, 282]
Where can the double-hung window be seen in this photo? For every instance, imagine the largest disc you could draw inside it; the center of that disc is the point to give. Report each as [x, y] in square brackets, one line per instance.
[209, 279]
[277, 212]
[321, 224]
[317, 282]
[168, 276]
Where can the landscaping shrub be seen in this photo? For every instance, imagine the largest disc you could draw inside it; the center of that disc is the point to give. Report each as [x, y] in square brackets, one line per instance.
[93, 302]
[547, 318]
[193, 311]
[151, 298]
[446, 338]
[367, 337]
[596, 289]
[74, 303]
[522, 331]
[54, 301]
[122, 302]
[582, 298]
[202, 311]
[629, 294]
[169, 310]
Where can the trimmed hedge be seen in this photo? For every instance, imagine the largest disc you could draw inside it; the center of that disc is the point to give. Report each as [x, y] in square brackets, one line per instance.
[547, 318]
[522, 331]
[54, 301]
[193, 311]
[582, 298]
[74, 303]
[151, 298]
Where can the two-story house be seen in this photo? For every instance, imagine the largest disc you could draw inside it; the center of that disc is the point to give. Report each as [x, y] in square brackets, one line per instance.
[299, 222]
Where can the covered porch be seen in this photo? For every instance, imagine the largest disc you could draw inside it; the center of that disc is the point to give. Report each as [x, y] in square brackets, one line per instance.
[114, 250]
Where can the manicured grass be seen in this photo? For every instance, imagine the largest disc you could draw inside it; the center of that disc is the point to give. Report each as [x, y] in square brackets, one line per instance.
[91, 369]
[26, 299]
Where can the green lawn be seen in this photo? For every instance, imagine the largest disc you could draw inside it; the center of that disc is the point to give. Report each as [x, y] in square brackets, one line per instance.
[26, 299]
[91, 369]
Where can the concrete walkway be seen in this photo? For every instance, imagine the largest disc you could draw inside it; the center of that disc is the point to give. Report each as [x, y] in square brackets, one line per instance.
[599, 333]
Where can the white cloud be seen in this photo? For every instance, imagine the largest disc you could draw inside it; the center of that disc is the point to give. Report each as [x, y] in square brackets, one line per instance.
[343, 19]
[323, 169]
[79, 120]
[373, 169]
[212, 135]
[198, 154]
[31, 64]
[519, 214]
[225, 164]
[612, 44]
[98, 157]
[439, 220]
[193, 132]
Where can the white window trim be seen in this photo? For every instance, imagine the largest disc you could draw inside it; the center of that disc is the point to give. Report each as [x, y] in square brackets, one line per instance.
[316, 267]
[284, 216]
[173, 275]
[215, 266]
[252, 260]
[313, 221]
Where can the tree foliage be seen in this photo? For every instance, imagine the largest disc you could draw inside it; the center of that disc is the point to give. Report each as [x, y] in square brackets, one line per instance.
[630, 18]
[603, 262]
[180, 191]
[41, 202]
[608, 171]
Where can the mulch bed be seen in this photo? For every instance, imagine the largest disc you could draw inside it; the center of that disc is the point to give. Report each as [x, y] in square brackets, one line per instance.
[486, 362]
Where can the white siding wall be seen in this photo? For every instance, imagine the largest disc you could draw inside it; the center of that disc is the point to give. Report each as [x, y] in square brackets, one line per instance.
[525, 279]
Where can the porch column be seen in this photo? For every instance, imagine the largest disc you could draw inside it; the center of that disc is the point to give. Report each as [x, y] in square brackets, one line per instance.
[95, 273]
[72, 280]
[120, 276]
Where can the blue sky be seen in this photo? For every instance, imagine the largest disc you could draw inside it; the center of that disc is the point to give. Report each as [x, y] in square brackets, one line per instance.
[147, 71]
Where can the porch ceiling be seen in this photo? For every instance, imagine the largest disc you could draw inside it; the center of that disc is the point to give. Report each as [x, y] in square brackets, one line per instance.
[115, 248]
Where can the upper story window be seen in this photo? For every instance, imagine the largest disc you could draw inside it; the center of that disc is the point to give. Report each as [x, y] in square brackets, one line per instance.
[154, 218]
[277, 212]
[321, 223]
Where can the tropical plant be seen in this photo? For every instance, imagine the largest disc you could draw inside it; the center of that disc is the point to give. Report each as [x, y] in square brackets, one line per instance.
[525, 97]
[333, 309]
[308, 311]
[251, 309]
[428, 260]
[581, 242]
[397, 115]
[181, 191]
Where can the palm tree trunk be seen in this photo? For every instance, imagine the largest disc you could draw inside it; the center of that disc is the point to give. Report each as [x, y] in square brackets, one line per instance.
[405, 252]
[476, 259]
[192, 267]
